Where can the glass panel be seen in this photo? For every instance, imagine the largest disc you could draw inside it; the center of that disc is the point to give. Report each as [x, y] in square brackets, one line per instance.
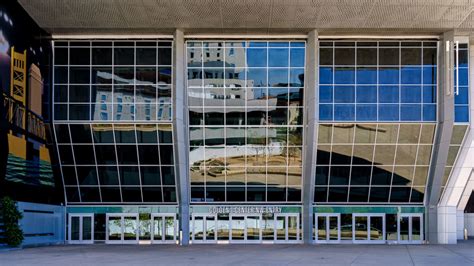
[391, 227]
[293, 227]
[169, 228]
[322, 231]
[86, 228]
[253, 228]
[223, 227]
[238, 227]
[114, 228]
[333, 228]
[346, 226]
[404, 224]
[360, 229]
[376, 228]
[130, 227]
[75, 228]
[145, 226]
[210, 227]
[280, 227]
[415, 228]
[268, 227]
[158, 228]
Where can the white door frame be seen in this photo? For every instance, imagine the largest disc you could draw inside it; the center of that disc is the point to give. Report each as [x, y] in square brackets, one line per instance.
[287, 215]
[410, 228]
[328, 230]
[204, 229]
[245, 241]
[122, 219]
[163, 228]
[369, 216]
[81, 228]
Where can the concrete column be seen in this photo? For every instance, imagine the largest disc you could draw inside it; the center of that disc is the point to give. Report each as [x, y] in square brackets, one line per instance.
[180, 125]
[311, 97]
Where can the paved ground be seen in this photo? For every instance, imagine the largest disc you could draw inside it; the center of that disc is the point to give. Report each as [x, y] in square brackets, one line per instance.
[461, 254]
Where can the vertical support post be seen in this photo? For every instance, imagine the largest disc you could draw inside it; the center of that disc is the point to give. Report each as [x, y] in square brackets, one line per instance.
[311, 97]
[443, 135]
[180, 134]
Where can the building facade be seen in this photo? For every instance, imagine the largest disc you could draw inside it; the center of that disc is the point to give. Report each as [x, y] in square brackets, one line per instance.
[307, 136]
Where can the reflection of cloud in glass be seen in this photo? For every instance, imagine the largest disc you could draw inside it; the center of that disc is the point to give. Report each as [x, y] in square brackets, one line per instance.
[4, 45]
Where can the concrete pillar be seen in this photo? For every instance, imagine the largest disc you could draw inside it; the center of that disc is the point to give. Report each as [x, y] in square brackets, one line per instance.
[443, 135]
[181, 143]
[311, 116]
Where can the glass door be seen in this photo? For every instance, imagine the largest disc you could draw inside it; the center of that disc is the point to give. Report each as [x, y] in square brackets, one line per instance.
[122, 228]
[81, 228]
[327, 228]
[204, 228]
[287, 228]
[245, 228]
[164, 228]
[410, 228]
[237, 229]
[368, 228]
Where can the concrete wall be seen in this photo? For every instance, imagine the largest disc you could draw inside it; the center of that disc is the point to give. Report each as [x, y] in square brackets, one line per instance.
[42, 224]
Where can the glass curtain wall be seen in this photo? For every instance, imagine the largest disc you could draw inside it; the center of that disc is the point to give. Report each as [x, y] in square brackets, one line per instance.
[113, 120]
[378, 120]
[245, 113]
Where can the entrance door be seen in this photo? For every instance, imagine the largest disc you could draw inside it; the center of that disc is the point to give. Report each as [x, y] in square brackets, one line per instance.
[164, 228]
[287, 228]
[410, 228]
[327, 228]
[245, 228]
[81, 228]
[204, 228]
[368, 228]
[122, 228]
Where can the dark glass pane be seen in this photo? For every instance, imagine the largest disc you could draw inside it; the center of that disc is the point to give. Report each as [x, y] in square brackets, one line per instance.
[65, 153]
[79, 56]
[417, 194]
[110, 194]
[79, 111]
[411, 56]
[125, 133]
[323, 154]
[215, 194]
[276, 194]
[167, 173]
[131, 194]
[60, 93]
[320, 194]
[340, 175]
[294, 194]
[79, 75]
[146, 56]
[79, 93]
[341, 154]
[87, 175]
[129, 175]
[389, 56]
[166, 154]
[152, 194]
[344, 56]
[164, 75]
[124, 56]
[101, 56]
[127, 154]
[169, 194]
[108, 175]
[360, 175]
[150, 175]
[358, 194]
[344, 75]
[197, 194]
[62, 133]
[337, 194]
[256, 194]
[72, 194]
[400, 194]
[145, 75]
[165, 133]
[164, 56]
[366, 56]
[105, 154]
[60, 75]
[236, 194]
[379, 194]
[382, 175]
[322, 175]
[84, 154]
[148, 154]
[103, 133]
[429, 56]
[124, 75]
[69, 175]
[90, 194]
[61, 56]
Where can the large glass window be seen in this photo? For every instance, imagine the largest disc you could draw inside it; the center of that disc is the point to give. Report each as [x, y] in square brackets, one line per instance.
[461, 73]
[377, 81]
[380, 162]
[246, 113]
